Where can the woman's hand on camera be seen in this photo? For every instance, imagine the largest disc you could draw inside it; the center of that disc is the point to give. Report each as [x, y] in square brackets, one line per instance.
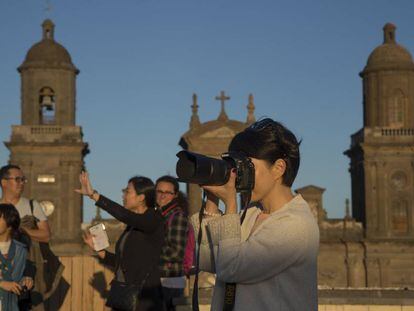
[226, 193]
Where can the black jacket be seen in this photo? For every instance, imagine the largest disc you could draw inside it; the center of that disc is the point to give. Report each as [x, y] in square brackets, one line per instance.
[142, 248]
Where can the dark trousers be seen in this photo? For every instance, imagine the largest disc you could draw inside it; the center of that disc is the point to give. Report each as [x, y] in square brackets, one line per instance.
[168, 296]
[150, 300]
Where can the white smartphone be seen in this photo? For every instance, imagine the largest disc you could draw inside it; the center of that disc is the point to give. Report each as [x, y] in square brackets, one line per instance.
[99, 237]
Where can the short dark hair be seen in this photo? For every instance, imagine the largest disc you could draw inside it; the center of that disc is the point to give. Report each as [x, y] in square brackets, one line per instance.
[10, 215]
[144, 185]
[4, 170]
[169, 179]
[269, 140]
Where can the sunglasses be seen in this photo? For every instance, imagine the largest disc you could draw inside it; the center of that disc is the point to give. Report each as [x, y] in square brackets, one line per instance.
[261, 125]
[160, 192]
[18, 179]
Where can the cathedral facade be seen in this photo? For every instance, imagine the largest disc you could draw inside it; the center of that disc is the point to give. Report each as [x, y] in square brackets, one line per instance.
[372, 247]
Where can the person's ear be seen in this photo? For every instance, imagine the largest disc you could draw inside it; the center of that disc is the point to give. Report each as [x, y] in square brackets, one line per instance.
[278, 169]
[141, 198]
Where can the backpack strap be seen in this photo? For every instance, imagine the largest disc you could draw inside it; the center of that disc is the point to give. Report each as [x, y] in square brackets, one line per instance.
[31, 206]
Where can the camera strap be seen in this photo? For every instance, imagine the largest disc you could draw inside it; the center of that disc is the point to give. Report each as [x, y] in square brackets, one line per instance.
[230, 288]
[197, 266]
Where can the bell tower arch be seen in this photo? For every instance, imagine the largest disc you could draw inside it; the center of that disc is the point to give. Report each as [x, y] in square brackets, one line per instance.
[48, 144]
[382, 152]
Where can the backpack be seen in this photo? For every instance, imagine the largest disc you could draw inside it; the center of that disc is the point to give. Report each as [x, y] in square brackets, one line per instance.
[52, 267]
[188, 260]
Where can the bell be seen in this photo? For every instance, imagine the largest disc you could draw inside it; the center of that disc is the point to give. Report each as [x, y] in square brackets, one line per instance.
[47, 103]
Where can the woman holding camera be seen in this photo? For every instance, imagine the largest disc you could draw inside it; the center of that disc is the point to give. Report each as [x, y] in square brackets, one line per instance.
[268, 261]
[138, 249]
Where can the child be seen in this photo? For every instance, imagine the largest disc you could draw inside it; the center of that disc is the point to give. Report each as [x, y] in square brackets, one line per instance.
[12, 258]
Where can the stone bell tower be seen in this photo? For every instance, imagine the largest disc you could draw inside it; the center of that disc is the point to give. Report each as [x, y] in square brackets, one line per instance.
[211, 138]
[382, 152]
[48, 144]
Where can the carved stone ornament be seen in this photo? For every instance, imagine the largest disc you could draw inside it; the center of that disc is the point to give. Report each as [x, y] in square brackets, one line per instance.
[398, 180]
[223, 132]
[329, 274]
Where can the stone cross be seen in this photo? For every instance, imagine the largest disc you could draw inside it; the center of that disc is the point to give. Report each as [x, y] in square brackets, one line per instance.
[48, 7]
[222, 98]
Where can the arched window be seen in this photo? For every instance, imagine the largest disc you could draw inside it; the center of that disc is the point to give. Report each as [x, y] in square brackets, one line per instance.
[399, 216]
[396, 107]
[47, 107]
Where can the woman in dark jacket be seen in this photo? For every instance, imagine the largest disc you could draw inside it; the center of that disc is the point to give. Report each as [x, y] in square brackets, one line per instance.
[138, 249]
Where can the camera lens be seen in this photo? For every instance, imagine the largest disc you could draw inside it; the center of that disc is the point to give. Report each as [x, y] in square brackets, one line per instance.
[199, 169]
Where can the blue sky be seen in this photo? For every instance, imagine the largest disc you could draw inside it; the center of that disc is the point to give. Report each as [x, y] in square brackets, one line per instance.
[141, 61]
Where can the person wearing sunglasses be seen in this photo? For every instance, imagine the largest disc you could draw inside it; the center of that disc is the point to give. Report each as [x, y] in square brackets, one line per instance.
[174, 209]
[12, 185]
[268, 261]
[34, 229]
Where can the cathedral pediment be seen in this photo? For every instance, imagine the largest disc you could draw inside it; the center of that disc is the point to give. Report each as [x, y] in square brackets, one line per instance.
[223, 132]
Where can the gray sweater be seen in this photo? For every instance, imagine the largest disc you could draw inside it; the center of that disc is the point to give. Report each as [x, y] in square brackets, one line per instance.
[275, 267]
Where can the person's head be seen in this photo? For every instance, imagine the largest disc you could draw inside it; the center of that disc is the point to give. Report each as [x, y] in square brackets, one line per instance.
[9, 219]
[274, 151]
[140, 192]
[12, 180]
[167, 189]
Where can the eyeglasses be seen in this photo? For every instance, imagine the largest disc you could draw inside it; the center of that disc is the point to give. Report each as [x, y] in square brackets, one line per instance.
[261, 124]
[18, 179]
[160, 192]
[125, 191]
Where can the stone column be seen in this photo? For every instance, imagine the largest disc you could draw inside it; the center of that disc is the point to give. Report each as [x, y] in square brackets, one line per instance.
[373, 272]
[62, 209]
[384, 264]
[356, 272]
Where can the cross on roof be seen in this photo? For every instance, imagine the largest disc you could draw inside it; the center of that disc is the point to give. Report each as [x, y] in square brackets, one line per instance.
[48, 7]
[222, 98]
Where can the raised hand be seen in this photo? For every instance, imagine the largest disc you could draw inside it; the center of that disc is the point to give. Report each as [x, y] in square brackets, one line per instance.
[86, 187]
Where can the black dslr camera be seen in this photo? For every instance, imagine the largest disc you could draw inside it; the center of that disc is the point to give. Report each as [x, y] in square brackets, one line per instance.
[199, 169]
